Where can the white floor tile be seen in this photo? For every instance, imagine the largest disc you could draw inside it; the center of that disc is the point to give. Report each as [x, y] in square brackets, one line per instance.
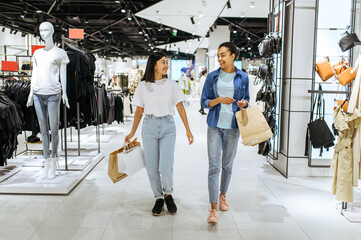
[16, 233]
[46, 233]
[131, 234]
[211, 234]
[273, 235]
[139, 216]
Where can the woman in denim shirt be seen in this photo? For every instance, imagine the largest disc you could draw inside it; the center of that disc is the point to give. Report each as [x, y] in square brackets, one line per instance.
[225, 92]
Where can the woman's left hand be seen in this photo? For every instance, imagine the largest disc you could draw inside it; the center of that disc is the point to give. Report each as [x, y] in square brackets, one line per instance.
[190, 137]
[242, 103]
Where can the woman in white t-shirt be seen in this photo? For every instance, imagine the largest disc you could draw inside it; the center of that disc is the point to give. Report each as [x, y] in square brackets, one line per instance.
[156, 97]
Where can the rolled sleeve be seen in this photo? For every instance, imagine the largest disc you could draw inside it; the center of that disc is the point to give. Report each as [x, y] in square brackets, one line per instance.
[206, 94]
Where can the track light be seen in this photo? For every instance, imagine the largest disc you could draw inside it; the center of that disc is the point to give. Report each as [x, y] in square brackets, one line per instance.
[229, 5]
[11, 31]
[128, 15]
[23, 34]
[252, 5]
[140, 31]
[192, 20]
[211, 29]
[3, 29]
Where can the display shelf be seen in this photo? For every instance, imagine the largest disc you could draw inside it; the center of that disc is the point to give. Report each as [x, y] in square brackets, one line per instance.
[29, 181]
[8, 171]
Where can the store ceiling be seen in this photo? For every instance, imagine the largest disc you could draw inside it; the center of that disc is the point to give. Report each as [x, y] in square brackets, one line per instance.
[153, 23]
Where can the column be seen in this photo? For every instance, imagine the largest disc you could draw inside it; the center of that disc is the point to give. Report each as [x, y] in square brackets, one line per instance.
[219, 35]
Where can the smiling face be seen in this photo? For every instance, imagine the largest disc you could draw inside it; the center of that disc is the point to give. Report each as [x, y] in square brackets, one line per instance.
[161, 67]
[46, 30]
[225, 57]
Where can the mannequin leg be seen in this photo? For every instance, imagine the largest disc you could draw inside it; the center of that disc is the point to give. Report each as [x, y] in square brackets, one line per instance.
[41, 108]
[54, 113]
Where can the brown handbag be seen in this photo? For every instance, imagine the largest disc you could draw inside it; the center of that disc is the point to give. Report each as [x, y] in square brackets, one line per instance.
[339, 67]
[324, 70]
[347, 76]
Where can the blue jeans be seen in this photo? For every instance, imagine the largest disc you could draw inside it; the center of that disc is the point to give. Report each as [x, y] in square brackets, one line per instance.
[48, 111]
[159, 134]
[222, 145]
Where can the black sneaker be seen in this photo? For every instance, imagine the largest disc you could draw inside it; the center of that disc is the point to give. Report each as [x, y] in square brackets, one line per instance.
[172, 208]
[158, 207]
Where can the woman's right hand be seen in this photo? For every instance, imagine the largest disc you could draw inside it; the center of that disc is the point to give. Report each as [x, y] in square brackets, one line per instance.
[226, 100]
[128, 137]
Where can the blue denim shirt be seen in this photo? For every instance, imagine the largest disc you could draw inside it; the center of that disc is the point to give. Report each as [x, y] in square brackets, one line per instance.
[210, 92]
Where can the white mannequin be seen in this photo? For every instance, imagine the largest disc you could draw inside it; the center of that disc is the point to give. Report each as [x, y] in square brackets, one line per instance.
[49, 66]
[46, 30]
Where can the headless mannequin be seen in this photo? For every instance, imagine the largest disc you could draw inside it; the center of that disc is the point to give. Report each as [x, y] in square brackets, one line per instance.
[49, 65]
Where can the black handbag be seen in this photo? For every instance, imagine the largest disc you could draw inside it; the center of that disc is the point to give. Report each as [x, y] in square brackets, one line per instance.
[265, 47]
[318, 131]
[347, 42]
[263, 71]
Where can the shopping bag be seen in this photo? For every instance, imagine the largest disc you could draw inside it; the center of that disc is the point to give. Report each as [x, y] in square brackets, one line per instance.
[253, 126]
[131, 161]
[113, 171]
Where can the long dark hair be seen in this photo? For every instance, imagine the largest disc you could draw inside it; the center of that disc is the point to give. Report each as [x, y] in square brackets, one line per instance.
[231, 47]
[149, 70]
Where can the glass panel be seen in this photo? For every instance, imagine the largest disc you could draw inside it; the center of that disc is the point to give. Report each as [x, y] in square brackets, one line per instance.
[334, 13]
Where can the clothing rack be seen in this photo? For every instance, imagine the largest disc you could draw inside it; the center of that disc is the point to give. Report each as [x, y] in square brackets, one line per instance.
[73, 44]
[329, 92]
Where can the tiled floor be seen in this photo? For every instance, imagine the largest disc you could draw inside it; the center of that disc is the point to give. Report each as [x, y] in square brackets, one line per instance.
[264, 205]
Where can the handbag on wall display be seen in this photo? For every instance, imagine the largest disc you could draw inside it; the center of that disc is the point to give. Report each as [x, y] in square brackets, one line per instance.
[347, 76]
[318, 131]
[340, 67]
[348, 41]
[324, 70]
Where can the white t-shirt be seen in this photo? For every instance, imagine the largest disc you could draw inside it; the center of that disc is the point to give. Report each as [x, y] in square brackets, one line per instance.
[202, 80]
[158, 98]
[46, 69]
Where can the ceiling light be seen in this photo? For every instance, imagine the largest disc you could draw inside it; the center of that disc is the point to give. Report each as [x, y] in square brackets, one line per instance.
[234, 31]
[175, 30]
[151, 47]
[252, 5]
[200, 14]
[22, 15]
[123, 10]
[192, 20]
[248, 38]
[140, 32]
[117, 1]
[229, 5]
[249, 48]
[146, 39]
[193, 33]
[39, 11]
[149, 44]
[242, 15]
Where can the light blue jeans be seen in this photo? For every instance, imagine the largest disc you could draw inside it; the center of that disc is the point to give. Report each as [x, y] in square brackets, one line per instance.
[48, 111]
[159, 135]
[222, 149]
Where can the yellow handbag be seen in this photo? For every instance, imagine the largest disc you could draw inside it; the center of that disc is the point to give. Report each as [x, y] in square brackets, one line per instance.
[339, 67]
[347, 76]
[324, 70]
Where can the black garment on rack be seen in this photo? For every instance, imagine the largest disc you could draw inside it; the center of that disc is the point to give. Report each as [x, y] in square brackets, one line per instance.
[115, 108]
[18, 92]
[11, 123]
[80, 87]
